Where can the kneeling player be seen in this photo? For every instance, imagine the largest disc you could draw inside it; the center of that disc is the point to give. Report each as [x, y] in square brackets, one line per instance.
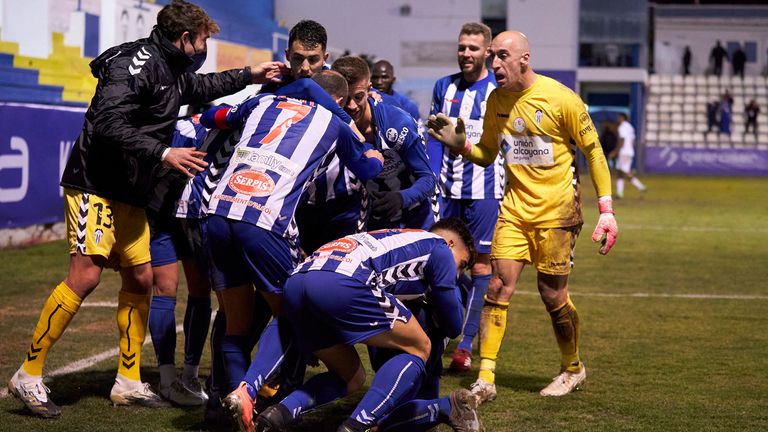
[345, 294]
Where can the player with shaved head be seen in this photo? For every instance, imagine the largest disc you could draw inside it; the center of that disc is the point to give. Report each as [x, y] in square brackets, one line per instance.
[534, 120]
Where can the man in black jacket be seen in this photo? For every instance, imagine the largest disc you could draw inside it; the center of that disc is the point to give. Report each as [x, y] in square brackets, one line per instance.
[110, 177]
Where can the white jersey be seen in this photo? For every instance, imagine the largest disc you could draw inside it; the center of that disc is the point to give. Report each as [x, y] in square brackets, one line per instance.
[627, 133]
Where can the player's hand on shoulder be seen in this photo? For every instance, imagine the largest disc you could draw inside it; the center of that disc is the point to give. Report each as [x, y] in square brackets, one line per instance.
[375, 96]
[270, 71]
[441, 128]
[187, 160]
[372, 153]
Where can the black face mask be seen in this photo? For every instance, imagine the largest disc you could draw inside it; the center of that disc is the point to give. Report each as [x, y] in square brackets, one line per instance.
[198, 58]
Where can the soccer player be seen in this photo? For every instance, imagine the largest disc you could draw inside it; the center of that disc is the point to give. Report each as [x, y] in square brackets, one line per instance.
[250, 226]
[345, 293]
[533, 119]
[171, 241]
[382, 79]
[404, 194]
[109, 179]
[469, 191]
[626, 152]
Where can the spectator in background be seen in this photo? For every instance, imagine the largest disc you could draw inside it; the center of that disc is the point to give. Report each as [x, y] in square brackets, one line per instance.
[726, 102]
[717, 55]
[712, 109]
[738, 60]
[687, 61]
[751, 110]
[727, 96]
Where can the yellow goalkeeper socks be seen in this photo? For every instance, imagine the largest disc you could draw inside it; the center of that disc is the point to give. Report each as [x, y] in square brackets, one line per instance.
[132, 313]
[57, 312]
[493, 323]
[565, 321]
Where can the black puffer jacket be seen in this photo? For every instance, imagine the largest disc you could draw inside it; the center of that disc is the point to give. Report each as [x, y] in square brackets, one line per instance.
[131, 118]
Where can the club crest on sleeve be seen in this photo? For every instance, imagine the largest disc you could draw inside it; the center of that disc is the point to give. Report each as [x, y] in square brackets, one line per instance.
[519, 124]
[391, 135]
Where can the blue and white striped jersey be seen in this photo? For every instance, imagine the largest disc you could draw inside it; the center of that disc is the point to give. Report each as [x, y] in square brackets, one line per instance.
[396, 131]
[391, 259]
[190, 133]
[283, 142]
[405, 263]
[460, 178]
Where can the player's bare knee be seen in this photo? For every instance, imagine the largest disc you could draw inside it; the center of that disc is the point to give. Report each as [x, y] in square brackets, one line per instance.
[83, 284]
[357, 381]
[423, 348]
[553, 299]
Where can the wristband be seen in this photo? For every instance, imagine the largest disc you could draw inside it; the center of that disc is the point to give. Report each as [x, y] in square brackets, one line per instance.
[605, 205]
[165, 153]
[466, 149]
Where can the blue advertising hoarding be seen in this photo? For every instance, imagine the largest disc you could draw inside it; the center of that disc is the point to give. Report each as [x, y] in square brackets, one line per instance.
[703, 161]
[35, 141]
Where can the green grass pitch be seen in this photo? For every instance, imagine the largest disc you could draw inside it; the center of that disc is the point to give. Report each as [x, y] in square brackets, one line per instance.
[674, 328]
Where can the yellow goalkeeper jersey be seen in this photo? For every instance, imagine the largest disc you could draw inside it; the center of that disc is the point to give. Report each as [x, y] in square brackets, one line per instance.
[537, 130]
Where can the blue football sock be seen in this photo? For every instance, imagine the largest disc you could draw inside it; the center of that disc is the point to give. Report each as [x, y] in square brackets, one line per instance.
[273, 344]
[396, 382]
[317, 391]
[197, 318]
[475, 306]
[417, 415]
[162, 327]
[465, 288]
[235, 354]
[218, 378]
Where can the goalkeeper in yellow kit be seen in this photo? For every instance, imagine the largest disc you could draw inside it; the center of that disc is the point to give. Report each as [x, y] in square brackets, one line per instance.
[535, 121]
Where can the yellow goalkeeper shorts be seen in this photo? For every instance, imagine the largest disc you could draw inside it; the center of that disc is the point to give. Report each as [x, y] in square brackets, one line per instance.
[550, 250]
[99, 226]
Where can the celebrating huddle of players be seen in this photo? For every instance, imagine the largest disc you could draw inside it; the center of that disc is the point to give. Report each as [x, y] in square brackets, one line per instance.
[322, 218]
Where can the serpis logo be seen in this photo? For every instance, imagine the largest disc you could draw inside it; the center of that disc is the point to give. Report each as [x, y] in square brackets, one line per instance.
[345, 245]
[252, 183]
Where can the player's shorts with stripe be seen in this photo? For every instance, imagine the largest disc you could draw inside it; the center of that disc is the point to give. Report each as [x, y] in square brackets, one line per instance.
[100, 226]
[327, 308]
[243, 253]
[480, 215]
[550, 250]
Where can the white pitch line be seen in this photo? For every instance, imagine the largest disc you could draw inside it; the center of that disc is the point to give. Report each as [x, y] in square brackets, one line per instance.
[99, 304]
[87, 362]
[663, 295]
[692, 228]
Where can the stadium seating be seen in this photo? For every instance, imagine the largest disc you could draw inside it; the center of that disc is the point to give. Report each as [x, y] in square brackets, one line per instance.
[676, 111]
[63, 77]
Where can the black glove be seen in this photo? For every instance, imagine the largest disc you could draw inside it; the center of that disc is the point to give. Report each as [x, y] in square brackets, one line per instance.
[387, 204]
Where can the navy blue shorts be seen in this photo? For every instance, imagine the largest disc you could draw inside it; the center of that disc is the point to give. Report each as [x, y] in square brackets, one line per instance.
[173, 239]
[243, 253]
[327, 309]
[480, 215]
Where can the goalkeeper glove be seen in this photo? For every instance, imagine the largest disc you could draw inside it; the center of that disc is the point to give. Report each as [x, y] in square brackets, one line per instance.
[606, 229]
[441, 128]
[387, 204]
